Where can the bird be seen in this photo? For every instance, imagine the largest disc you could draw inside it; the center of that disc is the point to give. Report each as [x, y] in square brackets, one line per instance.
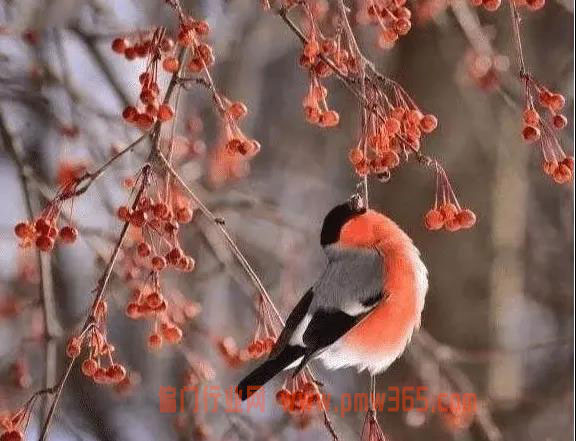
[364, 308]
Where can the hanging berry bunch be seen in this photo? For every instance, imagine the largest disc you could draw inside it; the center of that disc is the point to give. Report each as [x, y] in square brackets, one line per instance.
[159, 49]
[299, 397]
[156, 219]
[538, 128]
[447, 212]
[392, 132]
[493, 5]
[99, 365]
[262, 343]
[43, 232]
[319, 56]
[149, 302]
[13, 425]
[391, 18]
[265, 336]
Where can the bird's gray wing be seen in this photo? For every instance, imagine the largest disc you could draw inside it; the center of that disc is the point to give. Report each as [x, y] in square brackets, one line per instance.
[348, 290]
[295, 317]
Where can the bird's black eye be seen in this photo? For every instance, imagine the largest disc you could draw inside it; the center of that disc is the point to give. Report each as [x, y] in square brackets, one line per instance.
[335, 220]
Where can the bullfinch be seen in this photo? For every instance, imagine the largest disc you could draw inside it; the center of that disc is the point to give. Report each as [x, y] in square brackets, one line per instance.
[365, 306]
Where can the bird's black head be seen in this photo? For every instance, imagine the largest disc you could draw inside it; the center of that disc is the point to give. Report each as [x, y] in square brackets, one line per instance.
[337, 218]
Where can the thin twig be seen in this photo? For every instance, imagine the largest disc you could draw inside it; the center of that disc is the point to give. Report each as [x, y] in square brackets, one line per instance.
[220, 225]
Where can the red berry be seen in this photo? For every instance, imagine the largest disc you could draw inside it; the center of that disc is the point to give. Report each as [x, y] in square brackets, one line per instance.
[402, 26]
[202, 27]
[144, 121]
[165, 112]
[448, 210]
[23, 230]
[184, 215]
[132, 311]
[330, 118]
[154, 341]
[89, 367]
[355, 155]
[559, 121]
[531, 117]
[568, 161]
[73, 347]
[531, 134]
[124, 213]
[171, 64]
[12, 435]
[434, 220]
[172, 334]
[534, 5]
[557, 102]
[238, 110]
[158, 263]
[44, 243]
[68, 234]
[466, 218]
[428, 123]
[154, 300]
[116, 373]
[491, 5]
[144, 249]
[119, 45]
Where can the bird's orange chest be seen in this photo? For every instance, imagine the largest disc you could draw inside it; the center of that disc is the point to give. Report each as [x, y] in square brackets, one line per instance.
[389, 326]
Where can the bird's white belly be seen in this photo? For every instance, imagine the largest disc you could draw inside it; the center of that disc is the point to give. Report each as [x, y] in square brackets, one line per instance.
[339, 356]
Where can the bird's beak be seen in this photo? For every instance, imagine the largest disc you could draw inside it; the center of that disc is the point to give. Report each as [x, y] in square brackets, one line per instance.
[356, 203]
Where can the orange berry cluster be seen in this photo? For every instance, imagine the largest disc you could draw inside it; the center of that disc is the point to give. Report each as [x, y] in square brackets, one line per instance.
[315, 106]
[236, 143]
[159, 223]
[315, 54]
[43, 233]
[151, 303]
[161, 50]
[99, 365]
[447, 212]
[390, 133]
[450, 217]
[390, 17]
[532, 5]
[11, 426]
[235, 357]
[493, 5]
[485, 70]
[156, 48]
[301, 397]
[556, 163]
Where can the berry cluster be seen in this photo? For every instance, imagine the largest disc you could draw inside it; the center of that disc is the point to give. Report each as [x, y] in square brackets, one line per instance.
[447, 212]
[493, 5]
[485, 70]
[12, 426]
[318, 56]
[390, 17]
[43, 232]
[537, 129]
[149, 302]
[99, 365]
[301, 396]
[236, 143]
[393, 131]
[155, 220]
[161, 50]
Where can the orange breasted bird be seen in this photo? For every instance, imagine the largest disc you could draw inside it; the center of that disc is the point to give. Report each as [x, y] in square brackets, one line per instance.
[365, 306]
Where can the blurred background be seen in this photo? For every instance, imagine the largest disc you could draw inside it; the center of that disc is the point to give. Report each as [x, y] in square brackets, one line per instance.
[499, 317]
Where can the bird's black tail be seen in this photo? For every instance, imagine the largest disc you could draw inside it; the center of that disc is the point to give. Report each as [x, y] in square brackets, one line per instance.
[268, 370]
